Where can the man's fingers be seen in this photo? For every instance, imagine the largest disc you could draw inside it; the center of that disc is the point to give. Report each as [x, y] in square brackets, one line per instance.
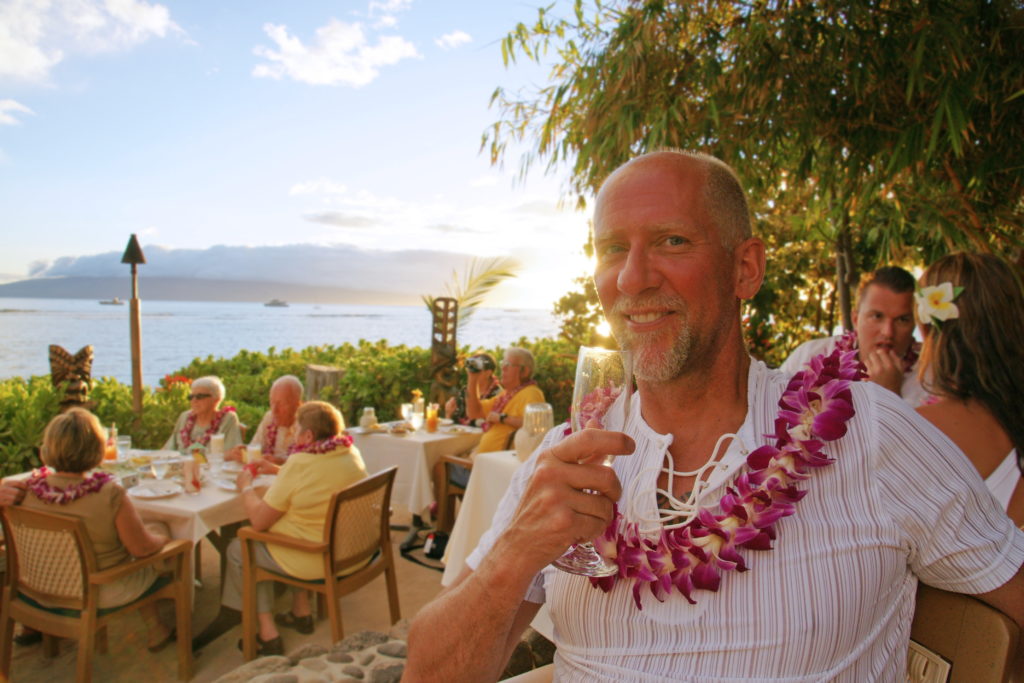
[592, 444]
[567, 477]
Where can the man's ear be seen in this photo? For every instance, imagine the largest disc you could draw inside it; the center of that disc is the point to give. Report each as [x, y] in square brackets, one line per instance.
[748, 267]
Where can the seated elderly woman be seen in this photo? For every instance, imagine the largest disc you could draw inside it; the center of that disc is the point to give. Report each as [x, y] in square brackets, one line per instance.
[73, 444]
[323, 461]
[205, 418]
[971, 311]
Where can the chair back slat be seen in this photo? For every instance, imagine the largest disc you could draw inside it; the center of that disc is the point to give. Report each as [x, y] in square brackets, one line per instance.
[358, 522]
[50, 556]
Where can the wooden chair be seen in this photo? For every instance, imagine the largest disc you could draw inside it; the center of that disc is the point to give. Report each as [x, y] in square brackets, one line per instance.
[447, 492]
[356, 534]
[51, 561]
[978, 642]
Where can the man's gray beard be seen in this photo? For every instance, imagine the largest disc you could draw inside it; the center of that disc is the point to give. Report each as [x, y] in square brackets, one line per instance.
[650, 365]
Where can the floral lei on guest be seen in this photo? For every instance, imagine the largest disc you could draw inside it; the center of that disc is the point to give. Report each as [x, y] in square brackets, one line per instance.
[503, 400]
[185, 435]
[270, 437]
[814, 409]
[42, 490]
[323, 446]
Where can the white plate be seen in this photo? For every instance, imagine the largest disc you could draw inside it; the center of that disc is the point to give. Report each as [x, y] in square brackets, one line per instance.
[445, 421]
[231, 466]
[155, 489]
[230, 485]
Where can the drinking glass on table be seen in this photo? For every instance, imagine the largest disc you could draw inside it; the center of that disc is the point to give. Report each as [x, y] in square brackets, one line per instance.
[604, 383]
[538, 419]
[124, 444]
[160, 467]
[406, 411]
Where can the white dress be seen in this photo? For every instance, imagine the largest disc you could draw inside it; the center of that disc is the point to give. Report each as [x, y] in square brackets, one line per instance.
[1004, 478]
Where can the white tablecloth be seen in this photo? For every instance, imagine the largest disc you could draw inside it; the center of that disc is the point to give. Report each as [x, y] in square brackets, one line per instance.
[193, 516]
[415, 454]
[492, 473]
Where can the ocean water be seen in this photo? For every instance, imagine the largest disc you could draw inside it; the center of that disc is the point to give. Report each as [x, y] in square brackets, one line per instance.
[175, 332]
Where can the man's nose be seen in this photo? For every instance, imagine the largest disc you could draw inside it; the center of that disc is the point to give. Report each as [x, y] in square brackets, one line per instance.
[638, 273]
[888, 327]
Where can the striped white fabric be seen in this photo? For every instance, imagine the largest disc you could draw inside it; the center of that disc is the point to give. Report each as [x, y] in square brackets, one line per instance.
[834, 599]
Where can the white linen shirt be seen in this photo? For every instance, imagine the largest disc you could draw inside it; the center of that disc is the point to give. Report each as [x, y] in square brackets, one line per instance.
[835, 597]
[284, 440]
[910, 389]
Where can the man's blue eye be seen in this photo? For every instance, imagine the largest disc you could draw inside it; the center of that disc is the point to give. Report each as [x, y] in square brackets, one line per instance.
[675, 240]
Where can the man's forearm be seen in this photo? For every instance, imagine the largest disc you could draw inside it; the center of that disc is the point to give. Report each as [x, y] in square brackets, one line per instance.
[467, 632]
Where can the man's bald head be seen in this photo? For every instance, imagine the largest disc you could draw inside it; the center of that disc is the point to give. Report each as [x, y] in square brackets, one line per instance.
[722, 198]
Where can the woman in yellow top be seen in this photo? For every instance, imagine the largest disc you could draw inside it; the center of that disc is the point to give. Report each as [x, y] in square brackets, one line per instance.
[322, 462]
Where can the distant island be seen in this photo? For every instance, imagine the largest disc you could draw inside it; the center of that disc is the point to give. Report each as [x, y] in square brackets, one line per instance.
[191, 289]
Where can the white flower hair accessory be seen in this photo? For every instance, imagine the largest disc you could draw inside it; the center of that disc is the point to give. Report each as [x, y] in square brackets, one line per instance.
[935, 304]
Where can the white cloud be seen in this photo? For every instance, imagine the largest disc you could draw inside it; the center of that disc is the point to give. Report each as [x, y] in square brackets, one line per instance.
[6, 109]
[450, 41]
[319, 186]
[339, 55]
[36, 35]
[486, 180]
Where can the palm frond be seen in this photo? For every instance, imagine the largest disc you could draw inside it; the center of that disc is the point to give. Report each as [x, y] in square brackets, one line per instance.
[472, 288]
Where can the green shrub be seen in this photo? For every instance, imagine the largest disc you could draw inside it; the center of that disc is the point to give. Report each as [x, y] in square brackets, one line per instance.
[376, 374]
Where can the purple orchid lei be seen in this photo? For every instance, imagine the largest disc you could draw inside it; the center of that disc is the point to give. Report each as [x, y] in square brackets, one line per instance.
[42, 490]
[323, 446]
[814, 409]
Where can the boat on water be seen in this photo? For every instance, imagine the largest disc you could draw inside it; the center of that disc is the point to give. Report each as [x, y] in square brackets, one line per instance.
[276, 303]
[112, 302]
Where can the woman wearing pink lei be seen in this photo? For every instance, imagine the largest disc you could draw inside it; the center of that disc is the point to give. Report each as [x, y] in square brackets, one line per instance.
[971, 312]
[205, 418]
[73, 444]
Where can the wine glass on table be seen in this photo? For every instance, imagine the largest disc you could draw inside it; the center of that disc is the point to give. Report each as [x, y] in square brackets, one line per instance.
[603, 386]
[160, 468]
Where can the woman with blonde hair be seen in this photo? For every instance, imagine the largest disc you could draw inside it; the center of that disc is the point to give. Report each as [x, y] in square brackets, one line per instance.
[971, 311]
[73, 444]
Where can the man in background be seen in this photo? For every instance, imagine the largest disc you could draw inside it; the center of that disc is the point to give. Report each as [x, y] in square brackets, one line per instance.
[885, 328]
[278, 429]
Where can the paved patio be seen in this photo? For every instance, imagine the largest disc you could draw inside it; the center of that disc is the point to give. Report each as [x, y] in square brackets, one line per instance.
[128, 660]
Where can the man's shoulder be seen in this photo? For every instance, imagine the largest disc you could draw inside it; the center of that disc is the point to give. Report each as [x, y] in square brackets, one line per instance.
[806, 351]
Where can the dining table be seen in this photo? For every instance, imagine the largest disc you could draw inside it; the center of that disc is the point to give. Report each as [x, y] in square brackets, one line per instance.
[414, 452]
[213, 512]
[491, 475]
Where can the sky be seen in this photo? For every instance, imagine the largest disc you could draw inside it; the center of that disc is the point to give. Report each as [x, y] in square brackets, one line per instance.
[354, 125]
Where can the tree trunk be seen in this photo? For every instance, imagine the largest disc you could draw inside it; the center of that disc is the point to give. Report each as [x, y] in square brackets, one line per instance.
[844, 274]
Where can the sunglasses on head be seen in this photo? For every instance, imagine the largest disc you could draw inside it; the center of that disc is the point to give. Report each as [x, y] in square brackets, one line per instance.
[196, 397]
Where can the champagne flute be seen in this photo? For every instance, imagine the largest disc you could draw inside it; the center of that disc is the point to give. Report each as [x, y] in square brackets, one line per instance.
[604, 384]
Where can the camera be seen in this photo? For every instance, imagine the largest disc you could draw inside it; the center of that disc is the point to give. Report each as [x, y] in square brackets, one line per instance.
[479, 363]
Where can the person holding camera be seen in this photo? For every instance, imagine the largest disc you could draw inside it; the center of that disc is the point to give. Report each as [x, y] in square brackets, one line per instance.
[503, 414]
[481, 366]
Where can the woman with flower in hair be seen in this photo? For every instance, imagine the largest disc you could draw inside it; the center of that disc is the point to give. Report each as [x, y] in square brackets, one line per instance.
[205, 418]
[971, 311]
[73, 444]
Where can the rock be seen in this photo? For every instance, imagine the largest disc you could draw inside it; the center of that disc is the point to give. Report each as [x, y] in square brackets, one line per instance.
[366, 658]
[353, 671]
[395, 648]
[313, 664]
[400, 631]
[387, 674]
[543, 650]
[306, 651]
[280, 678]
[521, 661]
[339, 658]
[360, 641]
[257, 667]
